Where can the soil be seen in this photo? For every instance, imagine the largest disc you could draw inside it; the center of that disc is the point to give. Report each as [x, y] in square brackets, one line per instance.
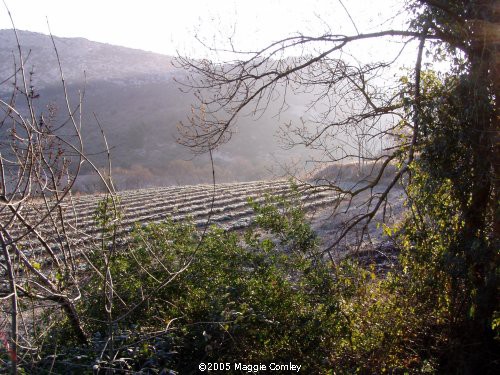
[372, 247]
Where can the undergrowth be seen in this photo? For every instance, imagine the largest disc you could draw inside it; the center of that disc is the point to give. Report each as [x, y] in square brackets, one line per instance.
[181, 298]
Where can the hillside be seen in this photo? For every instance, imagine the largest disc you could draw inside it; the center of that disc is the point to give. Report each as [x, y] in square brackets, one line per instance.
[83, 60]
[137, 99]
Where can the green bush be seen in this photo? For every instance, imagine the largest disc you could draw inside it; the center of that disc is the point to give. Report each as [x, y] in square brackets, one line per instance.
[182, 297]
[233, 297]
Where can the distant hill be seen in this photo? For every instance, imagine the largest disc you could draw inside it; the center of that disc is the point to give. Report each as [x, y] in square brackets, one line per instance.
[139, 104]
[83, 59]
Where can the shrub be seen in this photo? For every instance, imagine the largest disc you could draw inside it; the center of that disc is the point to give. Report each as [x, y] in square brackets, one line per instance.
[233, 297]
[182, 297]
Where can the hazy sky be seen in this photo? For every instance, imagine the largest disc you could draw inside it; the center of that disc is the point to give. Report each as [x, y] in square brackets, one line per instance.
[169, 26]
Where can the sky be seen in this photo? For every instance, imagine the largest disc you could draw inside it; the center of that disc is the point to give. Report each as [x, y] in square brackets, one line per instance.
[172, 27]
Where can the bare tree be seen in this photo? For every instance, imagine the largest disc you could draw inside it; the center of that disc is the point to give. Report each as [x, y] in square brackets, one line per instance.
[40, 234]
[348, 107]
[351, 107]
[49, 253]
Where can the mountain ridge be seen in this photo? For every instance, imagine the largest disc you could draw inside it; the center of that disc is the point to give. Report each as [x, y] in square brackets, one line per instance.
[82, 60]
[137, 99]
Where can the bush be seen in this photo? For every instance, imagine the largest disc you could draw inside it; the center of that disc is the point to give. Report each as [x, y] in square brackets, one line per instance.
[233, 297]
[182, 297]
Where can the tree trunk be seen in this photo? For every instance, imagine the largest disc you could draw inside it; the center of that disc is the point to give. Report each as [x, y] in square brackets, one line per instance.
[481, 227]
[14, 310]
[74, 319]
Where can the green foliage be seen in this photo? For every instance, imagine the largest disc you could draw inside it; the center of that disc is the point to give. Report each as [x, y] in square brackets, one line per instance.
[448, 241]
[232, 297]
[285, 218]
[222, 297]
[182, 297]
[107, 215]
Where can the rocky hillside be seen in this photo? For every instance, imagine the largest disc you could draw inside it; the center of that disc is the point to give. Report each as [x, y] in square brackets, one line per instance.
[82, 60]
[136, 97]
